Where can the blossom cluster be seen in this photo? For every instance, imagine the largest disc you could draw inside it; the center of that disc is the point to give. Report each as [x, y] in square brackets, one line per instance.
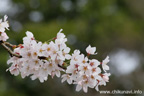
[41, 60]
[3, 26]
[86, 72]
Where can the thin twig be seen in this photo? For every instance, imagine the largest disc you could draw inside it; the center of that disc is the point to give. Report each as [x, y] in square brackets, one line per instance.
[7, 43]
[62, 67]
[9, 50]
[51, 39]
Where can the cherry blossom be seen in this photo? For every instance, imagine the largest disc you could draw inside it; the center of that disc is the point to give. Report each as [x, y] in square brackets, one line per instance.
[42, 60]
[3, 36]
[91, 50]
[4, 24]
[67, 77]
[104, 64]
[84, 72]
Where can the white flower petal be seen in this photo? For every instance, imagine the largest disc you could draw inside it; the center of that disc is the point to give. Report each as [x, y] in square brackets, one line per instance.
[85, 89]
[78, 88]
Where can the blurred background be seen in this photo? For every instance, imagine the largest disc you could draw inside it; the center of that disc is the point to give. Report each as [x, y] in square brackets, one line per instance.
[115, 27]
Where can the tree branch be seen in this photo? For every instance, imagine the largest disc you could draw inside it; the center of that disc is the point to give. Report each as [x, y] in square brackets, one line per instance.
[7, 43]
[8, 49]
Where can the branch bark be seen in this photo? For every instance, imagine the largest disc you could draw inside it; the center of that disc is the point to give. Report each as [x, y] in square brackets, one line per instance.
[9, 50]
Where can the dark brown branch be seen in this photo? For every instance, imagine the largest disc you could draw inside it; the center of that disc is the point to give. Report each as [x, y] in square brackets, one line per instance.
[9, 50]
[42, 57]
[7, 43]
[46, 58]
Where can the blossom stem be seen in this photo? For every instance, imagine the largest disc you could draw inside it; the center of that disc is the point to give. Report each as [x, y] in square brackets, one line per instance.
[7, 43]
[9, 50]
[50, 40]
[62, 67]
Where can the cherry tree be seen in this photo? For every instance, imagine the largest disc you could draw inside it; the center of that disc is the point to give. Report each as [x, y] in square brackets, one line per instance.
[39, 60]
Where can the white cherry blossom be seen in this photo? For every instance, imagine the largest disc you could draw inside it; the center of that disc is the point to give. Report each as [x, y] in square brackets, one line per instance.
[91, 50]
[104, 64]
[3, 36]
[40, 60]
[82, 71]
[66, 77]
[4, 24]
